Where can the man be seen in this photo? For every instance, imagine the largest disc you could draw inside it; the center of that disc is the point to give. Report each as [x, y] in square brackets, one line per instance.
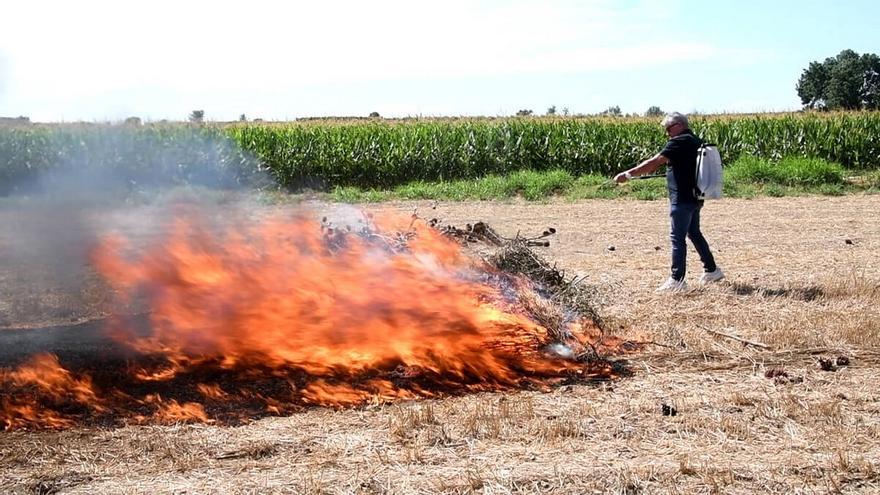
[680, 157]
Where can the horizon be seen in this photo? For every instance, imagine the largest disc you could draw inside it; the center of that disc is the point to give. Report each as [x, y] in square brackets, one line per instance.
[6, 120]
[99, 61]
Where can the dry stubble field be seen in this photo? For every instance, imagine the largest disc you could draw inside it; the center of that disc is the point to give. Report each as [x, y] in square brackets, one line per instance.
[796, 289]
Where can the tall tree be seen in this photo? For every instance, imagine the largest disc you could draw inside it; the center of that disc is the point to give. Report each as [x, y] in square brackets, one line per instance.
[612, 111]
[812, 85]
[654, 111]
[871, 87]
[848, 81]
[845, 85]
[197, 116]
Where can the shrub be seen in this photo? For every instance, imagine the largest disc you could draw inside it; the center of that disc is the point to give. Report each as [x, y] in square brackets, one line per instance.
[790, 171]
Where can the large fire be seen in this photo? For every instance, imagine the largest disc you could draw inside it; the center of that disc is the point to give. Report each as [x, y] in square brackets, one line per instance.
[274, 314]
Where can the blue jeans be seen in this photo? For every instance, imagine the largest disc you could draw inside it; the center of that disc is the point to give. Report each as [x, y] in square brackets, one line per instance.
[685, 219]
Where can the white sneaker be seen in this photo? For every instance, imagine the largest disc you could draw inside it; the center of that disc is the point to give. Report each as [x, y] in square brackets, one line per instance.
[709, 277]
[672, 285]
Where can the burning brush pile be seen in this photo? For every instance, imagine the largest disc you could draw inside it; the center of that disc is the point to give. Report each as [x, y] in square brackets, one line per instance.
[269, 316]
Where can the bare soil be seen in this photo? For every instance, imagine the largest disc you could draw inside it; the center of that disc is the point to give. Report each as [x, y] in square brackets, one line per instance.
[729, 395]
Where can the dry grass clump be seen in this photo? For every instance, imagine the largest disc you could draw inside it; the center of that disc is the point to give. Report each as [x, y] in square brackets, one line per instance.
[564, 294]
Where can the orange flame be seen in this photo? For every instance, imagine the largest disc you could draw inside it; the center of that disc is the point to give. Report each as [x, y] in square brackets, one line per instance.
[44, 377]
[212, 391]
[173, 412]
[334, 318]
[44, 372]
[274, 293]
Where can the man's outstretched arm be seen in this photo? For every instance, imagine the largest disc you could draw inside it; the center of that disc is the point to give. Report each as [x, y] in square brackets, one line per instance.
[646, 167]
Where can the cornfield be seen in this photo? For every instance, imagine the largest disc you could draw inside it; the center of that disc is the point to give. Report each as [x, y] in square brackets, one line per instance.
[142, 156]
[383, 154]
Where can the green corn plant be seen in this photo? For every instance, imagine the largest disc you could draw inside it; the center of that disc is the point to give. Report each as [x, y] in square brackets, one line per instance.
[386, 154]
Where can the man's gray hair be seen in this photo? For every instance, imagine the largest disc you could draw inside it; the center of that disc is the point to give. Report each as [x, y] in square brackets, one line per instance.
[675, 118]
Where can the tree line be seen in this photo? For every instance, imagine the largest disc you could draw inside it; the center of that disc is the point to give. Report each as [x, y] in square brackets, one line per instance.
[848, 81]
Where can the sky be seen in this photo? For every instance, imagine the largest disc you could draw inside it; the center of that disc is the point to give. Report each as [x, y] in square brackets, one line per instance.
[96, 60]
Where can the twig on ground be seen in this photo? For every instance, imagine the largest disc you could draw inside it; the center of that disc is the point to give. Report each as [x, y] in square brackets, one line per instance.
[737, 338]
[649, 342]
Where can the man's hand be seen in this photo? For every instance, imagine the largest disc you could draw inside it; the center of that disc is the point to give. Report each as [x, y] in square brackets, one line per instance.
[622, 177]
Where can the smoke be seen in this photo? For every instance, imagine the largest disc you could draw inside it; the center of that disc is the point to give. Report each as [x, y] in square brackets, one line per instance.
[88, 181]
[114, 160]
